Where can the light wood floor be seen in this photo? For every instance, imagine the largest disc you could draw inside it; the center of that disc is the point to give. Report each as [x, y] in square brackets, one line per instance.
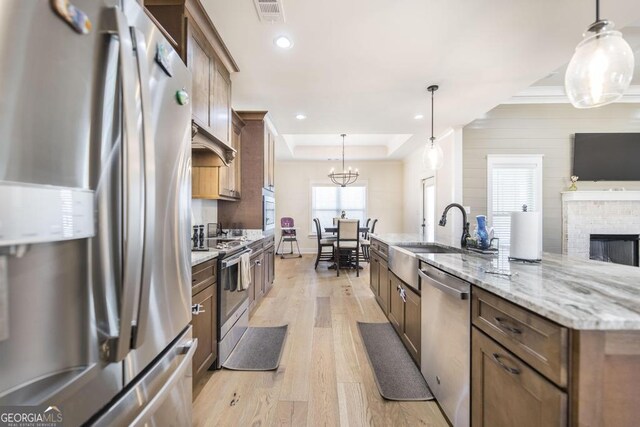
[324, 376]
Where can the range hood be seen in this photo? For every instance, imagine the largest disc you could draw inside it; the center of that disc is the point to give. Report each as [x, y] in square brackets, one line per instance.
[202, 141]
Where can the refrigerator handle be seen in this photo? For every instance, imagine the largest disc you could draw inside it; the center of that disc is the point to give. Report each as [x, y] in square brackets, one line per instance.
[148, 145]
[117, 347]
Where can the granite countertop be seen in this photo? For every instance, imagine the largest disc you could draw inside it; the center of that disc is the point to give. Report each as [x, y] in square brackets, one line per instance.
[576, 293]
[200, 257]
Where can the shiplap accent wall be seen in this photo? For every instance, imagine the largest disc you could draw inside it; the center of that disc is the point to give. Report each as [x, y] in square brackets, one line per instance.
[546, 129]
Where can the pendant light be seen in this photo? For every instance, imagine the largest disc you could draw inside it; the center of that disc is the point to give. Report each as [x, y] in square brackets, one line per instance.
[432, 157]
[347, 176]
[601, 68]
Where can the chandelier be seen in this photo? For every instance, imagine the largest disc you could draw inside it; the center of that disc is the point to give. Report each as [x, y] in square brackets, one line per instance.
[347, 176]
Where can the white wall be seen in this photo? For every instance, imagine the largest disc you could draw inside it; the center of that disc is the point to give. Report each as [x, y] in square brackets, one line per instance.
[204, 211]
[546, 129]
[293, 186]
[448, 182]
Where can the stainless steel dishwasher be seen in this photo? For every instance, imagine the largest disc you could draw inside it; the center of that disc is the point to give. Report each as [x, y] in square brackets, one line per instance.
[446, 336]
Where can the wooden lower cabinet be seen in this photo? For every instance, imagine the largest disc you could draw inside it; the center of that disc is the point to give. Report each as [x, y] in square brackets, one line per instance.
[205, 325]
[396, 305]
[269, 267]
[412, 327]
[506, 392]
[383, 284]
[379, 280]
[256, 290]
[374, 269]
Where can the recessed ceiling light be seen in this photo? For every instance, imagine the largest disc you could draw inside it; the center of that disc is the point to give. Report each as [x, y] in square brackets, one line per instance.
[283, 42]
[300, 116]
[418, 117]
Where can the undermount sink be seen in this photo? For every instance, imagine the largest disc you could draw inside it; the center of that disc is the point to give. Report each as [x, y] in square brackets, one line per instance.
[430, 249]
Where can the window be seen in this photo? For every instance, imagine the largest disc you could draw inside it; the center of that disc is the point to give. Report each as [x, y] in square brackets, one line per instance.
[512, 181]
[328, 201]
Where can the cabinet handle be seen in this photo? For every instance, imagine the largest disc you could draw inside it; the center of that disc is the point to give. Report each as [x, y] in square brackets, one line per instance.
[403, 294]
[498, 359]
[197, 309]
[505, 325]
[258, 262]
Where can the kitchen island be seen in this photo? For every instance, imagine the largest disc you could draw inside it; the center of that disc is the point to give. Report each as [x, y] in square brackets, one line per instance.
[552, 343]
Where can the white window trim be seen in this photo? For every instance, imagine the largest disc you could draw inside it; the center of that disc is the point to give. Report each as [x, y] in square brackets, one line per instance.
[515, 159]
[360, 183]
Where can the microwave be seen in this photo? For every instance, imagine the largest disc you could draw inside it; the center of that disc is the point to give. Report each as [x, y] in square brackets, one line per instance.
[268, 210]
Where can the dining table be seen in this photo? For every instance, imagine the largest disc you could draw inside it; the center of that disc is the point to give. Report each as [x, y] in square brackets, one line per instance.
[335, 229]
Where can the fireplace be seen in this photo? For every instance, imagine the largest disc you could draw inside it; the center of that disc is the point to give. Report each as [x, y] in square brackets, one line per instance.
[616, 248]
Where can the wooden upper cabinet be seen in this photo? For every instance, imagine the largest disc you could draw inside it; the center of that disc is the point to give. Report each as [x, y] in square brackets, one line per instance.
[269, 159]
[191, 32]
[200, 65]
[220, 111]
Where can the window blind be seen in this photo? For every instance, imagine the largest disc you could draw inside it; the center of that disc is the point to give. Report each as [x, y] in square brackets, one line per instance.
[513, 185]
[328, 202]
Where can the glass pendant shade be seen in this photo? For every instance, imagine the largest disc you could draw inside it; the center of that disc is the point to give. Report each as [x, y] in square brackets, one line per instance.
[432, 157]
[601, 68]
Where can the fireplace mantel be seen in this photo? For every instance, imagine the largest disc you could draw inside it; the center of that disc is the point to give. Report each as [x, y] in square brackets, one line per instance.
[568, 196]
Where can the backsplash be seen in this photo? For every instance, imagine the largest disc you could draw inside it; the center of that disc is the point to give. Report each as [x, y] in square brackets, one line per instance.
[203, 211]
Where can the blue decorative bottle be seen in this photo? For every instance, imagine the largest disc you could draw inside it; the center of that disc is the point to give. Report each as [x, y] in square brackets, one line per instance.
[483, 234]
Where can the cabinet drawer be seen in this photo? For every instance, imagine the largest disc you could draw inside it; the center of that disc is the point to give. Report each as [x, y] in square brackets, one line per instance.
[506, 392]
[203, 275]
[538, 341]
[381, 248]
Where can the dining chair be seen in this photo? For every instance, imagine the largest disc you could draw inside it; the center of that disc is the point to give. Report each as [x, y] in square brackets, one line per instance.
[323, 243]
[348, 242]
[288, 234]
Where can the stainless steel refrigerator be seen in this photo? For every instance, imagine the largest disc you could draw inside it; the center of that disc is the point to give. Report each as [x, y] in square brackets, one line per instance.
[95, 193]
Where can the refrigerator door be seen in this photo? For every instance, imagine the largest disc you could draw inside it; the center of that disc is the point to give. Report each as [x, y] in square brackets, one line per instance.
[50, 74]
[161, 396]
[164, 308]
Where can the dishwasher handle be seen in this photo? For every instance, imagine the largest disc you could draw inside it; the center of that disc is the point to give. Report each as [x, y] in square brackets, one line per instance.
[462, 294]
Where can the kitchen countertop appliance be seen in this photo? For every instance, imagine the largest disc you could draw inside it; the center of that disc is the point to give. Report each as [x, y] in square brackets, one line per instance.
[445, 339]
[94, 221]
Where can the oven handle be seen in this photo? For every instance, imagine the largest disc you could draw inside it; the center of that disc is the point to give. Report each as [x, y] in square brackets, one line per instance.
[236, 259]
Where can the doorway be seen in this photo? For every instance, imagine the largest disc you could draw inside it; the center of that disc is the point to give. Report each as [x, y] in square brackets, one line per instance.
[428, 213]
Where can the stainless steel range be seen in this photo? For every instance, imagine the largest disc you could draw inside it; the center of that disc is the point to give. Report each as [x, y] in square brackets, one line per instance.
[233, 304]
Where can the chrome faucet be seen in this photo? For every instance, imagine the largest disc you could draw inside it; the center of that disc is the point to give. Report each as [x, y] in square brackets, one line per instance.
[465, 224]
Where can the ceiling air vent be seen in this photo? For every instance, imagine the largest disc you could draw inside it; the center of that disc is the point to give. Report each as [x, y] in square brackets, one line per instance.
[269, 10]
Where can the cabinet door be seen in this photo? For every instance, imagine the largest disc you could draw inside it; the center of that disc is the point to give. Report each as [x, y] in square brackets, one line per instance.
[200, 65]
[236, 140]
[204, 329]
[252, 287]
[269, 265]
[396, 305]
[269, 158]
[506, 392]
[220, 112]
[374, 281]
[259, 277]
[383, 287]
[411, 336]
[223, 181]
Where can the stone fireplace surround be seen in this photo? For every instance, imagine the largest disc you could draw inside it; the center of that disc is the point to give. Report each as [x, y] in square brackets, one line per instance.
[597, 212]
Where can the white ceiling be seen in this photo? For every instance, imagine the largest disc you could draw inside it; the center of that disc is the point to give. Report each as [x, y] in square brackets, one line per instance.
[362, 66]
[329, 146]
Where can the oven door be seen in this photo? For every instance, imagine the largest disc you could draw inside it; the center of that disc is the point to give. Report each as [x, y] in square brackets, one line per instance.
[230, 298]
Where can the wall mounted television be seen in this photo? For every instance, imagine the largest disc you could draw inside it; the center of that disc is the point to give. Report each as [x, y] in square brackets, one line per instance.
[607, 156]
